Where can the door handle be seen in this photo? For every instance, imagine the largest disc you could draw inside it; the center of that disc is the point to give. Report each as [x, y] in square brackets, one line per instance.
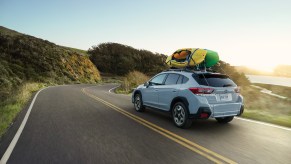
[174, 91]
[156, 90]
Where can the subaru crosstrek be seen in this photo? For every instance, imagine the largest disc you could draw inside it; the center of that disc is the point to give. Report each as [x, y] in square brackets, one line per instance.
[189, 95]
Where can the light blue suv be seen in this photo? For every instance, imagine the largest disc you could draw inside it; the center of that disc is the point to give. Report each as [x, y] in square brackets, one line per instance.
[189, 95]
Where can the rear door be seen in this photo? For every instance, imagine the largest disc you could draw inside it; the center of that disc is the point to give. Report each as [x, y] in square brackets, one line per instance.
[168, 91]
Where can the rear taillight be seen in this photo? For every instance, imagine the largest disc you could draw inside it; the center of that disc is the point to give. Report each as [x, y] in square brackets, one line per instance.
[201, 90]
[204, 115]
[237, 90]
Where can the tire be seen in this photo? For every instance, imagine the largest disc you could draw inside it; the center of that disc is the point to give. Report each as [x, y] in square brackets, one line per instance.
[180, 115]
[138, 105]
[224, 120]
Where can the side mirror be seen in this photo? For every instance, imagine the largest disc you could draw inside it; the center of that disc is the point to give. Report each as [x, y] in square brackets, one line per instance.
[146, 84]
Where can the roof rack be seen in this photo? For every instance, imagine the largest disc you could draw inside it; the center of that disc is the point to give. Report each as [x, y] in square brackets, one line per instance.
[190, 69]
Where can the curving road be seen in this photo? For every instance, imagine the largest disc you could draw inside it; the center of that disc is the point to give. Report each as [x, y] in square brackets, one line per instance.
[88, 124]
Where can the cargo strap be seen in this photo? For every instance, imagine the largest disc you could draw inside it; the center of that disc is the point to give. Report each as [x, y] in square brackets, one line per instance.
[190, 57]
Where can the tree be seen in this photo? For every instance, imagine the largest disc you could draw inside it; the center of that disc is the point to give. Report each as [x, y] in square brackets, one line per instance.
[121, 59]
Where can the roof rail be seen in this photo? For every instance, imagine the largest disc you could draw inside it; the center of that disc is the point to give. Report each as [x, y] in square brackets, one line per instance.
[178, 70]
[186, 69]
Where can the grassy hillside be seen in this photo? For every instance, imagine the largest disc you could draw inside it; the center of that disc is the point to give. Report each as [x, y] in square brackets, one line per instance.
[28, 64]
[267, 108]
[280, 90]
[25, 58]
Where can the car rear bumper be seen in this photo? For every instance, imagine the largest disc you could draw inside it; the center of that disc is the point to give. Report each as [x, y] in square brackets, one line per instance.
[206, 112]
[242, 108]
[202, 113]
[225, 110]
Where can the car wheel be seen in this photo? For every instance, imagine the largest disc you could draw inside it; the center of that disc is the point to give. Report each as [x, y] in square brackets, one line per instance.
[224, 120]
[138, 105]
[180, 115]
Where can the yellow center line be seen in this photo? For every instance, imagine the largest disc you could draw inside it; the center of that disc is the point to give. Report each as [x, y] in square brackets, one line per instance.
[174, 137]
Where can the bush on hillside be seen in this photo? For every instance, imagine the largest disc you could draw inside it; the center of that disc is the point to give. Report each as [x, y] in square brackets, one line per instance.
[120, 59]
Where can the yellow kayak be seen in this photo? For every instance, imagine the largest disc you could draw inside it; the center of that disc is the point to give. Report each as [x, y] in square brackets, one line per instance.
[186, 57]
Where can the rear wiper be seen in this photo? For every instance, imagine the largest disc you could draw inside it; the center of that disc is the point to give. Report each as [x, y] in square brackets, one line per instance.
[227, 85]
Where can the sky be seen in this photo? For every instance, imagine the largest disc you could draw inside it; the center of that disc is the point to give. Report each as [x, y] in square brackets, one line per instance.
[243, 32]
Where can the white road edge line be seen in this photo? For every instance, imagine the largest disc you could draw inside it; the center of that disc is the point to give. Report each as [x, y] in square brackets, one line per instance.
[11, 146]
[113, 88]
[264, 123]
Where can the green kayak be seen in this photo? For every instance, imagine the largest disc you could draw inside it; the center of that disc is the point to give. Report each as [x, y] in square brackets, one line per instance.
[211, 58]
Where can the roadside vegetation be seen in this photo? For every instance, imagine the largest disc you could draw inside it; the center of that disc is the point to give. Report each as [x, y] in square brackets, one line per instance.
[111, 78]
[131, 81]
[267, 108]
[280, 90]
[12, 105]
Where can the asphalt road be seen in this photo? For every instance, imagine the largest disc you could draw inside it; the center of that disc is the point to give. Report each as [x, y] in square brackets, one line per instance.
[87, 124]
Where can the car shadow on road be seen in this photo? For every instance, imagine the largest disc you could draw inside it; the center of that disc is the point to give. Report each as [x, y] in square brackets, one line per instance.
[209, 125]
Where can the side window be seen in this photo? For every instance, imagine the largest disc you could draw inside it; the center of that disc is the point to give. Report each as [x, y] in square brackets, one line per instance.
[172, 79]
[180, 79]
[185, 79]
[158, 80]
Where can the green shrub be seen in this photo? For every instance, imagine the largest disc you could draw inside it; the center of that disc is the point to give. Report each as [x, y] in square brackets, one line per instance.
[5, 88]
[120, 59]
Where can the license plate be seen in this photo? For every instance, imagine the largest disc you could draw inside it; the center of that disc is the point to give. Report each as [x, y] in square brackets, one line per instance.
[224, 97]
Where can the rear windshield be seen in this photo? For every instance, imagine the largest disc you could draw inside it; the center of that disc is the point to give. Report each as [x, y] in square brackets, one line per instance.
[214, 80]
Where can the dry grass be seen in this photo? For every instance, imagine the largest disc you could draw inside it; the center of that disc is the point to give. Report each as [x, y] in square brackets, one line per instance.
[280, 90]
[131, 81]
[263, 107]
[111, 78]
